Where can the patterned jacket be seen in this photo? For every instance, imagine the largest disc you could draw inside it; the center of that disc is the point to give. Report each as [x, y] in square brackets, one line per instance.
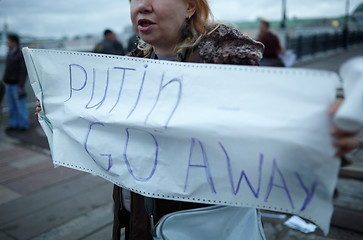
[224, 45]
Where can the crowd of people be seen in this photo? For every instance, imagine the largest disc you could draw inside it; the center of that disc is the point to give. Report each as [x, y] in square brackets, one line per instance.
[172, 30]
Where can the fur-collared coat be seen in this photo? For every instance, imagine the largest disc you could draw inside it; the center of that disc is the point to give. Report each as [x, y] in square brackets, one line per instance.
[224, 45]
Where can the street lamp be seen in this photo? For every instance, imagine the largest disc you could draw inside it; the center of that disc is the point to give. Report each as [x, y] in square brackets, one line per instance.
[345, 28]
[283, 25]
[346, 13]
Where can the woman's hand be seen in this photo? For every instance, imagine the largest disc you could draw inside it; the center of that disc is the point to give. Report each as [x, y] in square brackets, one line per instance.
[344, 141]
[38, 108]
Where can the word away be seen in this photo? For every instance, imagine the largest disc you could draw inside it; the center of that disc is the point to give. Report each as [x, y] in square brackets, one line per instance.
[276, 175]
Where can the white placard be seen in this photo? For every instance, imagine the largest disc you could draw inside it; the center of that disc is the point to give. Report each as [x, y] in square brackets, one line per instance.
[218, 134]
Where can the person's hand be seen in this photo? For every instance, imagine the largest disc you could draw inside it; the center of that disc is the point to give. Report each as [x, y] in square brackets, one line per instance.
[344, 141]
[20, 90]
[38, 108]
[282, 51]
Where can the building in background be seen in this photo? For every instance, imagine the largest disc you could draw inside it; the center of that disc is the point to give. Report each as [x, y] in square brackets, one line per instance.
[358, 15]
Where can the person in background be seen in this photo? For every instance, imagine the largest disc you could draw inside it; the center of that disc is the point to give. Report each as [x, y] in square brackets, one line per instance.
[109, 44]
[2, 92]
[272, 46]
[14, 77]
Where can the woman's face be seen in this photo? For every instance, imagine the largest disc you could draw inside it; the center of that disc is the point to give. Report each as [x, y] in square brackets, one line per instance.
[160, 22]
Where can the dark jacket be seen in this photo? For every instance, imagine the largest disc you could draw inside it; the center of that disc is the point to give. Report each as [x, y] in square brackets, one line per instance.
[15, 70]
[107, 47]
[272, 44]
[272, 50]
[223, 46]
[2, 91]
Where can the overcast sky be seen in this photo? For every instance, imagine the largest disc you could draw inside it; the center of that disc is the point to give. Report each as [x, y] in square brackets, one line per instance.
[57, 18]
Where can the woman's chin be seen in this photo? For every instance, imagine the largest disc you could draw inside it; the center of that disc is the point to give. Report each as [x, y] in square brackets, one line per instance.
[148, 39]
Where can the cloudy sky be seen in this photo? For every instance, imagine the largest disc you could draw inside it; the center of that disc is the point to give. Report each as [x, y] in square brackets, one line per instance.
[57, 18]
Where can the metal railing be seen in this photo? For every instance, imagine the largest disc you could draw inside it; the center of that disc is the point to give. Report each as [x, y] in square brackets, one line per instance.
[323, 42]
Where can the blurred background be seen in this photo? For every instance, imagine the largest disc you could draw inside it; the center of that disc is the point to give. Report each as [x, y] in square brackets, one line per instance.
[78, 25]
[38, 201]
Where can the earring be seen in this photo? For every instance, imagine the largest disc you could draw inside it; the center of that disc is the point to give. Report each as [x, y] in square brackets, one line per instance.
[186, 28]
[137, 41]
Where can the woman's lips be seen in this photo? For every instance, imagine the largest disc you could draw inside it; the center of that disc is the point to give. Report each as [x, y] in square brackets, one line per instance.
[145, 25]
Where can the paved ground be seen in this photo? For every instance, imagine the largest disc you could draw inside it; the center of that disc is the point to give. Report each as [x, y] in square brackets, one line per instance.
[38, 201]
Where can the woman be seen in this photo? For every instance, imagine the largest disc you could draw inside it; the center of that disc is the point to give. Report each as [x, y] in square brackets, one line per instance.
[179, 30]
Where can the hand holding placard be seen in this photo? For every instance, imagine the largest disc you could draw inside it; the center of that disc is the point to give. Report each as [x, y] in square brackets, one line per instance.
[350, 115]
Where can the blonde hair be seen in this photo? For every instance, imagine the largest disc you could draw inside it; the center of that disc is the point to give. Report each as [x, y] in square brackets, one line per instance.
[199, 25]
